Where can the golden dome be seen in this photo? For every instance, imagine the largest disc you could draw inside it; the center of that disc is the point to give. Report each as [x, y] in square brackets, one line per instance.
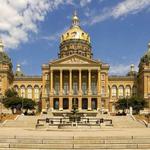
[75, 31]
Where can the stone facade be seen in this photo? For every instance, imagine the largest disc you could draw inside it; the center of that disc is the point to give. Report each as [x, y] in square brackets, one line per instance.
[76, 78]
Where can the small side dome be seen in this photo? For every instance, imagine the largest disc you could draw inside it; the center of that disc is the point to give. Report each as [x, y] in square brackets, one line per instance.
[146, 57]
[132, 71]
[18, 72]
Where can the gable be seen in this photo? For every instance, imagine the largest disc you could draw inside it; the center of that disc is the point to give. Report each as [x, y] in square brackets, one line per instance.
[75, 59]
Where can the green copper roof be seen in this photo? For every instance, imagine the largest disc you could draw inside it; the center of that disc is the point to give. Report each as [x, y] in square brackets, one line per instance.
[146, 57]
[4, 58]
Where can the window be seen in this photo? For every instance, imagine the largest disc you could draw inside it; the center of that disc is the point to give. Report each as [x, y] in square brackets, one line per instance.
[75, 88]
[23, 91]
[29, 92]
[84, 88]
[114, 91]
[16, 88]
[102, 77]
[36, 92]
[121, 91]
[66, 88]
[128, 91]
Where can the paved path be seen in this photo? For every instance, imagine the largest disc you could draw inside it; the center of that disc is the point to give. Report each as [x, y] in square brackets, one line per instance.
[89, 132]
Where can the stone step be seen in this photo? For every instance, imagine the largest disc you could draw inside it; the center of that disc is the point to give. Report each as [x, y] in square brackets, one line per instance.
[74, 146]
[76, 141]
[63, 149]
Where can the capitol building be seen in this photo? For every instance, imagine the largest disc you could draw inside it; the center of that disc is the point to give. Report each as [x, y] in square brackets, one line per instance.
[76, 77]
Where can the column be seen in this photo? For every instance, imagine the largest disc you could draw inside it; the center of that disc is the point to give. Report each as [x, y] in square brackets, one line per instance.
[51, 82]
[61, 82]
[99, 103]
[89, 103]
[43, 105]
[60, 103]
[80, 82]
[70, 82]
[89, 82]
[99, 83]
[51, 103]
[70, 103]
[79, 103]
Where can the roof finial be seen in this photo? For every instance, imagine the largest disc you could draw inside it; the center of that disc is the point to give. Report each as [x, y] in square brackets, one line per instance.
[75, 19]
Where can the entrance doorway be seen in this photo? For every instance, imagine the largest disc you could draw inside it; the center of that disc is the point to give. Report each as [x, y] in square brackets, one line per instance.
[75, 102]
[56, 103]
[65, 103]
[84, 103]
[94, 103]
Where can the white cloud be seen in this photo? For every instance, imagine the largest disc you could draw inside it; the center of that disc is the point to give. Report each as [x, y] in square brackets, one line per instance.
[120, 69]
[84, 2]
[18, 18]
[123, 8]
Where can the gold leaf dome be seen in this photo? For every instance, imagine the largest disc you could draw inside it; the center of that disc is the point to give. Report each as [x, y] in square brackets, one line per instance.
[75, 31]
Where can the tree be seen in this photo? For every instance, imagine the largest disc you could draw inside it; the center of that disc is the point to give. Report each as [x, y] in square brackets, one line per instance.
[13, 101]
[28, 104]
[11, 93]
[136, 103]
[121, 104]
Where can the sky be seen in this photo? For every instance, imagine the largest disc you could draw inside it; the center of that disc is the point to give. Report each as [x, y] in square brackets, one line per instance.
[31, 30]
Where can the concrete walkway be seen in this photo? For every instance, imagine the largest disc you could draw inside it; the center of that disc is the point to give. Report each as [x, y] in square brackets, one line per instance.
[89, 132]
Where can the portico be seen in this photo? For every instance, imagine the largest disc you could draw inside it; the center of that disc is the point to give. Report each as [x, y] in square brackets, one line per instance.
[79, 83]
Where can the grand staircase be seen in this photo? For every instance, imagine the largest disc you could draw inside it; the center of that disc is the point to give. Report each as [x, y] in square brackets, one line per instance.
[117, 121]
[74, 142]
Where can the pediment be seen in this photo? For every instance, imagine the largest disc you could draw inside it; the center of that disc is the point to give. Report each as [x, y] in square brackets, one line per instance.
[74, 59]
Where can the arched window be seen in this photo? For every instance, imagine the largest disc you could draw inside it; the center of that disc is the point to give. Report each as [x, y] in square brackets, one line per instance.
[23, 91]
[36, 92]
[114, 91]
[128, 91]
[134, 91]
[16, 88]
[120, 91]
[29, 92]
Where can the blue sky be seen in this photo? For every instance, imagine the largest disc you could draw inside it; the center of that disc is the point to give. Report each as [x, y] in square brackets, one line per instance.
[119, 30]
